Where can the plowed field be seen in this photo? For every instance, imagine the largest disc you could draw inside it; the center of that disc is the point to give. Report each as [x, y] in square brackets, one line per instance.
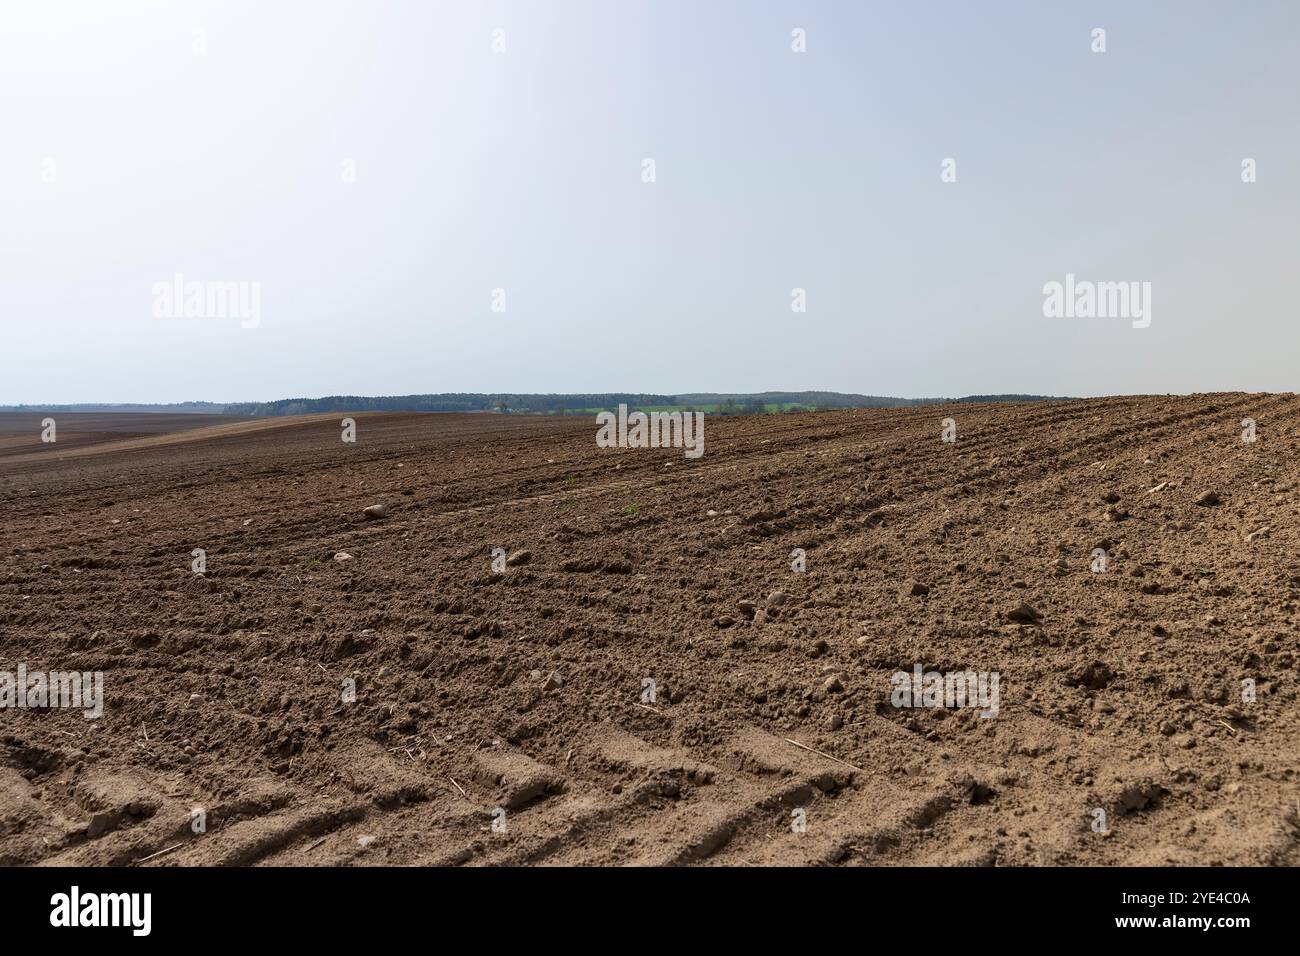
[508, 717]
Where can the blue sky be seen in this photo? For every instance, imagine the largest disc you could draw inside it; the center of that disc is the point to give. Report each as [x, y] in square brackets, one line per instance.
[522, 170]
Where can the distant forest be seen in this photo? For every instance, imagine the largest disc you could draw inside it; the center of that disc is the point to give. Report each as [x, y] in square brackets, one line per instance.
[581, 404]
[718, 403]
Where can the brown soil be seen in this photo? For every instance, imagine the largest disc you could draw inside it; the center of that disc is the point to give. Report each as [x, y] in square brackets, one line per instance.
[523, 691]
[77, 433]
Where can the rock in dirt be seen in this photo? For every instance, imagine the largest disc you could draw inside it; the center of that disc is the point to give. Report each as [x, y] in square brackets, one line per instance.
[1208, 500]
[342, 557]
[375, 512]
[777, 598]
[1094, 675]
[918, 589]
[522, 556]
[553, 682]
[1024, 614]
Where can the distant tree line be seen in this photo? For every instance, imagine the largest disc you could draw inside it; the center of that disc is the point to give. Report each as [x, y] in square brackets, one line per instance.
[732, 407]
[583, 403]
[175, 408]
[718, 403]
[450, 402]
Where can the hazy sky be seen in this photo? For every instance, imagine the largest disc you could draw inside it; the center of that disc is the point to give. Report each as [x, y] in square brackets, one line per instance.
[133, 148]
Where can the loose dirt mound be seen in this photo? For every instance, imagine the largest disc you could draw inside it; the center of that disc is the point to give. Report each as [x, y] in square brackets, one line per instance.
[653, 682]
